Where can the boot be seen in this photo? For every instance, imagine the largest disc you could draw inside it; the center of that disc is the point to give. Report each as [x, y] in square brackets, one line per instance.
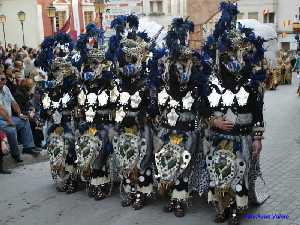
[102, 192]
[140, 199]
[179, 208]
[169, 207]
[221, 217]
[92, 190]
[72, 186]
[2, 170]
[61, 187]
[234, 216]
[128, 200]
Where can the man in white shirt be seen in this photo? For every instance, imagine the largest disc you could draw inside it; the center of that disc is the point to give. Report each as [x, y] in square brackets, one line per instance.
[13, 125]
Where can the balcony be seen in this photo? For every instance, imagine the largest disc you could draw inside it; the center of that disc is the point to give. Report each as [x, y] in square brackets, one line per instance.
[296, 27]
[156, 14]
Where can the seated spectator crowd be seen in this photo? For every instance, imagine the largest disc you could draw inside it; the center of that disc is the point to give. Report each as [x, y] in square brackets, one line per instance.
[19, 104]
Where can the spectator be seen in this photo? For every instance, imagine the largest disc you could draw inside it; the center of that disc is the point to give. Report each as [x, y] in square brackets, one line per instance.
[28, 67]
[9, 60]
[12, 125]
[23, 97]
[11, 79]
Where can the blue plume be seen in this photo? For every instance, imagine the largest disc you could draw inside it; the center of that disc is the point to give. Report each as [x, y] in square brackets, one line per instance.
[92, 30]
[182, 28]
[114, 48]
[144, 36]
[172, 42]
[133, 21]
[119, 24]
[80, 58]
[46, 56]
[64, 39]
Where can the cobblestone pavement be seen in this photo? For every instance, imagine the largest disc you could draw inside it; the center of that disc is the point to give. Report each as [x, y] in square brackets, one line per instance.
[29, 198]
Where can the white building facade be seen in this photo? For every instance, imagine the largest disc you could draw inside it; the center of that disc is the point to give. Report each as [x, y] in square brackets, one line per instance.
[280, 14]
[33, 32]
[162, 11]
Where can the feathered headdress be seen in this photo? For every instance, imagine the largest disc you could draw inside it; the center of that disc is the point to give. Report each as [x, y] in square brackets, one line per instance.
[59, 45]
[228, 36]
[177, 35]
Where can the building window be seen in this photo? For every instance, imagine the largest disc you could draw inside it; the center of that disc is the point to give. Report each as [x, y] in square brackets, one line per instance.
[240, 16]
[60, 19]
[269, 17]
[156, 8]
[159, 7]
[88, 17]
[286, 46]
[169, 7]
[253, 15]
[151, 7]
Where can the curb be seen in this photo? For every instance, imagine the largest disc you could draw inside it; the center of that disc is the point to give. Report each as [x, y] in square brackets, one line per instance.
[9, 162]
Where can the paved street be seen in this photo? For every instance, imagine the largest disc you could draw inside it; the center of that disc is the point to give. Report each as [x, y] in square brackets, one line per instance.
[28, 197]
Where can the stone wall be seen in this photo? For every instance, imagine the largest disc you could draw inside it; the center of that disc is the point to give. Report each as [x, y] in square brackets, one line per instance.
[200, 11]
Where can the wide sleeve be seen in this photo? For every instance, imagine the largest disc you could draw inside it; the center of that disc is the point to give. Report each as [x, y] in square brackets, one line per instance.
[257, 108]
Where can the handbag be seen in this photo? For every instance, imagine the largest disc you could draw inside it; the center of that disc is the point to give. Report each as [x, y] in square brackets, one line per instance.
[4, 146]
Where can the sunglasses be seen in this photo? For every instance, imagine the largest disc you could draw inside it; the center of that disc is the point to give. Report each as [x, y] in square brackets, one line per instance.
[3, 79]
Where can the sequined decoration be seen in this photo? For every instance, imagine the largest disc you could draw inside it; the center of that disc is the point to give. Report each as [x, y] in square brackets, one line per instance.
[120, 115]
[124, 98]
[135, 100]
[92, 99]
[172, 117]
[188, 101]
[242, 97]
[214, 98]
[228, 98]
[46, 102]
[66, 98]
[90, 115]
[81, 98]
[163, 97]
[103, 98]
[56, 117]
[114, 94]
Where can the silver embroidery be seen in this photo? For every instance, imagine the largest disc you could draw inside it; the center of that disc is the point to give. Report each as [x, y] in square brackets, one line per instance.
[46, 102]
[124, 98]
[163, 97]
[90, 115]
[188, 101]
[81, 98]
[172, 117]
[214, 98]
[135, 100]
[92, 99]
[103, 98]
[114, 94]
[120, 114]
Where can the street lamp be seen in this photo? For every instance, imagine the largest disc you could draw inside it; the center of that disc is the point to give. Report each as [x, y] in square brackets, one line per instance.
[100, 6]
[2, 21]
[21, 16]
[51, 14]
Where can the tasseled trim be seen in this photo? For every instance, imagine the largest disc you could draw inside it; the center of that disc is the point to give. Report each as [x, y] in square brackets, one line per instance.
[180, 195]
[100, 181]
